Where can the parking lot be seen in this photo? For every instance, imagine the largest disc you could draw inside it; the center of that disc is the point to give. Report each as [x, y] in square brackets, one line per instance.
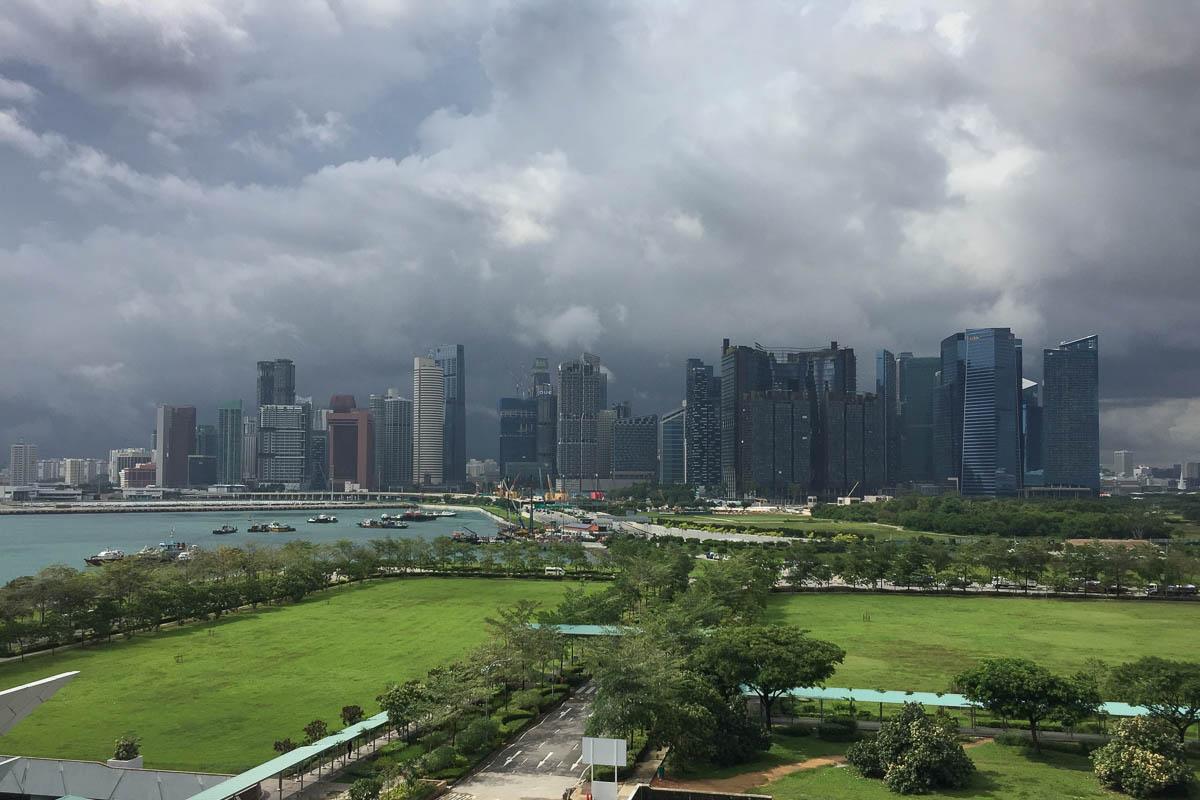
[542, 762]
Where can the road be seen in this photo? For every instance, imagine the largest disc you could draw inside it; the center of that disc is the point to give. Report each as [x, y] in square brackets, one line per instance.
[542, 762]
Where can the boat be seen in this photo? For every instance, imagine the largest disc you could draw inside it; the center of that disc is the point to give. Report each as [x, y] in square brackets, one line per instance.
[186, 555]
[442, 512]
[105, 557]
[279, 527]
[370, 523]
[467, 535]
[387, 522]
[257, 528]
[149, 551]
[416, 516]
[323, 519]
[225, 529]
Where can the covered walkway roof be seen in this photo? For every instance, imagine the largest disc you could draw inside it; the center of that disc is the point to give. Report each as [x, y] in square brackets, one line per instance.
[935, 699]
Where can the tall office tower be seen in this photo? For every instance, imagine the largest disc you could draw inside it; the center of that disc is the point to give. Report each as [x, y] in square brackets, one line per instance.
[547, 428]
[276, 382]
[948, 410]
[282, 444]
[49, 470]
[624, 409]
[1071, 414]
[206, 441]
[854, 445]
[126, 457]
[887, 388]
[229, 442]
[454, 428]
[744, 370]
[318, 460]
[539, 375]
[175, 437]
[393, 418]
[202, 471]
[249, 448]
[702, 424]
[582, 388]
[916, 379]
[991, 440]
[1031, 430]
[777, 451]
[635, 449]
[672, 436]
[518, 431]
[429, 408]
[606, 419]
[1123, 463]
[351, 443]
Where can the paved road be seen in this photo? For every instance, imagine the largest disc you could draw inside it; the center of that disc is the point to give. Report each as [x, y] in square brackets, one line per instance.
[542, 762]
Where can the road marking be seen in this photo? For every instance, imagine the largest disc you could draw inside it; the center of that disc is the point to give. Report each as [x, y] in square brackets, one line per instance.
[543, 761]
[510, 758]
[576, 764]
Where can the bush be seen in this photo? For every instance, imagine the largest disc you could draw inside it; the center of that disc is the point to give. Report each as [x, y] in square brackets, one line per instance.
[530, 699]
[480, 735]
[127, 748]
[797, 729]
[838, 729]
[366, 789]
[914, 754]
[1144, 758]
[1013, 740]
[442, 758]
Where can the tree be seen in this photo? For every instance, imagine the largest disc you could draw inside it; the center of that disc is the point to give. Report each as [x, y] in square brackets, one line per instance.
[352, 715]
[1142, 759]
[769, 659]
[284, 745]
[128, 747]
[1017, 688]
[366, 789]
[1169, 690]
[914, 754]
[315, 730]
[405, 703]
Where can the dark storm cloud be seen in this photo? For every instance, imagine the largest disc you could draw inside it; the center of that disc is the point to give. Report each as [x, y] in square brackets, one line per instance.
[348, 184]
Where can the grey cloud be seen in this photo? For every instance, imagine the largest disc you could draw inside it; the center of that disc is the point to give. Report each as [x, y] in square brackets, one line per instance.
[347, 186]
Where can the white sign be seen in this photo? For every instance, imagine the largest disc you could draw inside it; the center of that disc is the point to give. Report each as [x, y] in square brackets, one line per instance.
[606, 752]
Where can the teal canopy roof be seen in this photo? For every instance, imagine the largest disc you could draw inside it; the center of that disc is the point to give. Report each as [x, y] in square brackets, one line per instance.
[943, 700]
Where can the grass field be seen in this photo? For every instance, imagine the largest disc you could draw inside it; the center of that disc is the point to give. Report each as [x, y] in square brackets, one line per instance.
[796, 525]
[919, 643]
[255, 677]
[1003, 773]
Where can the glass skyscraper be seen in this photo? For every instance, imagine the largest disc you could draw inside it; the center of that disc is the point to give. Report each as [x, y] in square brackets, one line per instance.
[992, 463]
[702, 424]
[916, 381]
[454, 426]
[229, 442]
[1071, 414]
[671, 447]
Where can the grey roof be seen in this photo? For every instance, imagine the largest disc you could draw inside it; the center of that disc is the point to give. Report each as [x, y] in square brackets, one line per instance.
[50, 777]
[18, 702]
[585, 630]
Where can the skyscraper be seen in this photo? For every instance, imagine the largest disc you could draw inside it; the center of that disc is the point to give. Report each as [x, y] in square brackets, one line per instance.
[635, 448]
[206, 441]
[547, 428]
[744, 370]
[1031, 429]
[992, 465]
[351, 443]
[606, 419]
[126, 457]
[1071, 414]
[454, 427]
[282, 444]
[429, 409]
[518, 431]
[671, 447]
[1123, 463]
[393, 419]
[916, 382]
[582, 388]
[854, 445]
[249, 448]
[702, 424]
[887, 390]
[22, 464]
[777, 450]
[276, 382]
[229, 442]
[948, 409]
[175, 436]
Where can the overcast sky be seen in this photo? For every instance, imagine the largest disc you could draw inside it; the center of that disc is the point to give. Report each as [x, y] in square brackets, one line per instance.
[191, 186]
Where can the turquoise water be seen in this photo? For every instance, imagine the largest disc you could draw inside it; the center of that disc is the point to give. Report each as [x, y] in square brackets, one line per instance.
[29, 542]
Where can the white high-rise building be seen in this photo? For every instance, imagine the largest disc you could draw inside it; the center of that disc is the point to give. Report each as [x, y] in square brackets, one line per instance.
[429, 408]
[125, 457]
[74, 471]
[1123, 463]
[23, 464]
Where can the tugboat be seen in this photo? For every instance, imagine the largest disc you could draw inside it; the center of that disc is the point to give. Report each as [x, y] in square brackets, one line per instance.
[322, 519]
[370, 523]
[105, 557]
[279, 527]
[257, 527]
[465, 536]
[416, 516]
[225, 529]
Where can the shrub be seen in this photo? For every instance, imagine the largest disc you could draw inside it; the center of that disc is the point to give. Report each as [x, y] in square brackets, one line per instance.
[127, 748]
[914, 754]
[366, 789]
[530, 699]
[315, 730]
[1145, 757]
[480, 735]
[351, 715]
[442, 758]
[838, 729]
[284, 745]
[796, 729]
[1012, 740]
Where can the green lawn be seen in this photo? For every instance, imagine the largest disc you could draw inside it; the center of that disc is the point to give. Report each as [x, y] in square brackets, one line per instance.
[255, 677]
[918, 643]
[796, 525]
[1004, 773]
[784, 750]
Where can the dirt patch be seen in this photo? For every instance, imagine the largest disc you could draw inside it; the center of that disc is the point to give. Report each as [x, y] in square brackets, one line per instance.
[977, 742]
[742, 783]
